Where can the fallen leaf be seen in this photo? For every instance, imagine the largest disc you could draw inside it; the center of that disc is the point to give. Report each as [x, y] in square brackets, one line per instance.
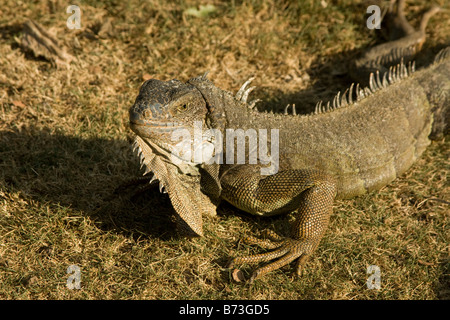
[202, 12]
[19, 104]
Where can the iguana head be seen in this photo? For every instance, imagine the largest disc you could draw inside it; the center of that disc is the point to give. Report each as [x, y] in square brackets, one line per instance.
[162, 108]
[165, 112]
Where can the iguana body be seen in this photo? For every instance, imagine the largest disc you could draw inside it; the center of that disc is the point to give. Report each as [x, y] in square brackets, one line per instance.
[367, 139]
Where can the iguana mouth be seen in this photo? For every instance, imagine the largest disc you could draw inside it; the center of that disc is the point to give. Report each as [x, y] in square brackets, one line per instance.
[155, 124]
[144, 128]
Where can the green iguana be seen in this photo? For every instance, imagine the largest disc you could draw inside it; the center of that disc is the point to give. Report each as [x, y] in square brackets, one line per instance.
[363, 140]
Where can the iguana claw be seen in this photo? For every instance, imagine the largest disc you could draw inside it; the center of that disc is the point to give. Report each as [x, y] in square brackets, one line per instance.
[289, 250]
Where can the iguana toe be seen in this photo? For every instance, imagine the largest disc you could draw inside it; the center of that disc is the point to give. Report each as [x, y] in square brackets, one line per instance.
[288, 251]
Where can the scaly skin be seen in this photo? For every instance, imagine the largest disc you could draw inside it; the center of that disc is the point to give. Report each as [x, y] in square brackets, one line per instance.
[340, 152]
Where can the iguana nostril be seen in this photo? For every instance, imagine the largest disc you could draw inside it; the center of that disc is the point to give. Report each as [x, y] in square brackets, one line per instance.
[134, 116]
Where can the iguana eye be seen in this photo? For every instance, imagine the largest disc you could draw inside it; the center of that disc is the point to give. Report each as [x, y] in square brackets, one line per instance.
[182, 107]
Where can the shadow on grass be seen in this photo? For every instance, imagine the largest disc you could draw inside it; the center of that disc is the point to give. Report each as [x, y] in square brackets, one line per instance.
[82, 174]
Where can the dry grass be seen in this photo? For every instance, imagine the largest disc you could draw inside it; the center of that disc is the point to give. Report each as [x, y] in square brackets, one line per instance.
[64, 149]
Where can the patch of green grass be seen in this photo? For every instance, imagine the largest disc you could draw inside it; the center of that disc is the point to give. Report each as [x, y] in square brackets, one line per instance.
[64, 147]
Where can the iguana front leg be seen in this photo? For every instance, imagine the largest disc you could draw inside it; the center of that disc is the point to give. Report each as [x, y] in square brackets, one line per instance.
[308, 193]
